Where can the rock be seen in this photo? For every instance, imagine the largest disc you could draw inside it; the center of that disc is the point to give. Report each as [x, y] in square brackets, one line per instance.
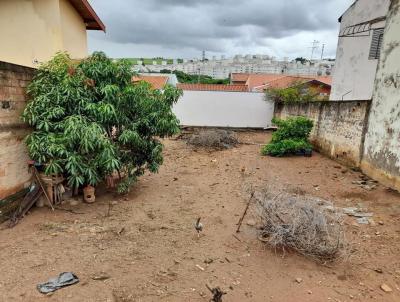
[208, 261]
[381, 223]
[251, 222]
[386, 288]
[362, 220]
[378, 270]
[101, 276]
[309, 292]
[299, 280]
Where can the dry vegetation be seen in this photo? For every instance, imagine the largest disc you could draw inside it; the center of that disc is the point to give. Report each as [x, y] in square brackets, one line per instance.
[213, 139]
[308, 225]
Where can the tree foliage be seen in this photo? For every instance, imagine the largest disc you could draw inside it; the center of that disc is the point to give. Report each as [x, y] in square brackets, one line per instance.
[297, 93]
[193, 79]
[290, 138]
[90, 121]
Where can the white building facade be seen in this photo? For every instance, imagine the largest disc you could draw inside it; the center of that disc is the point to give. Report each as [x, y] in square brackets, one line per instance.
[222, 68]
[360, 40]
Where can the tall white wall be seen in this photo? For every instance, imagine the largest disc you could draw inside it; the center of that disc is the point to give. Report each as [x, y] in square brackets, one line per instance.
[224, 109]
[382, 141]
[354, 73]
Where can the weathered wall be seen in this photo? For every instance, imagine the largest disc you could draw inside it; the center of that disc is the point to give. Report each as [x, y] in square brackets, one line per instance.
[382, 143]
[338, 126]
[354, 73]
[224, 109]
[35, 30]
[13, 165]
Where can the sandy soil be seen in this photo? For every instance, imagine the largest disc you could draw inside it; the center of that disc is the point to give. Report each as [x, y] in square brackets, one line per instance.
[146, 248]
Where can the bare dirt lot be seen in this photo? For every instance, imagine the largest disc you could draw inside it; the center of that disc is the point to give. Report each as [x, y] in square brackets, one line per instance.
[144, 247]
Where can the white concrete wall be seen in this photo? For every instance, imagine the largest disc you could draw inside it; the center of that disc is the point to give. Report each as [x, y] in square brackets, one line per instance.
[224, 109]
[354, 73]
[382, 141]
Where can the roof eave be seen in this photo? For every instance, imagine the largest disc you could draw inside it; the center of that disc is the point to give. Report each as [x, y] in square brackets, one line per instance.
[84, 8]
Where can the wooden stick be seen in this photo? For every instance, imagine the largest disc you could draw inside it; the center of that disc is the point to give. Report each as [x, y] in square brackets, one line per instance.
[244, 213]
[35, 172]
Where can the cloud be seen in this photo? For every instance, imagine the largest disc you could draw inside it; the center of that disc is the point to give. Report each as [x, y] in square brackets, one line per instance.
[183, 28]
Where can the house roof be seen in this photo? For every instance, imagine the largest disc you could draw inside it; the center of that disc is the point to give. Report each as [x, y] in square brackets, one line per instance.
[213, 87]
[88, 15]
[156, 82]
[288, 81]
[255, 80]
[239, 77]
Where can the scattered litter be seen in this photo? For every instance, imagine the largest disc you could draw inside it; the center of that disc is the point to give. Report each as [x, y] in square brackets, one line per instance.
[63, 280]
[365, 183]
[200, 267]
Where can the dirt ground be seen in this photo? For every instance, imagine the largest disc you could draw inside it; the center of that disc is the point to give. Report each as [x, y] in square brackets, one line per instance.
[144, 246]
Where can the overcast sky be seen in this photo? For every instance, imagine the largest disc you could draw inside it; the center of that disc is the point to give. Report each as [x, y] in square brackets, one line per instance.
[183, 28]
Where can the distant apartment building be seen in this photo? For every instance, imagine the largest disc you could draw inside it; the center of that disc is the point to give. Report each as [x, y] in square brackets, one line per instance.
[32, 31]
[223, 67]
[359, 48]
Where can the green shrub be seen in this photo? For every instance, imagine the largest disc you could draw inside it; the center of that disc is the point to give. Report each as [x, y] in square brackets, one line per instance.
[90, 121]
[290, 138]
[287, 146]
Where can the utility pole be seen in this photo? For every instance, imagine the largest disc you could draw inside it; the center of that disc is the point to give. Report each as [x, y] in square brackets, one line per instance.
[314, 47]
[322, 52]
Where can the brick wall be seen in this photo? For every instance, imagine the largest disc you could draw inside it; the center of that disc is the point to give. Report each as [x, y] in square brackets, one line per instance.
[14, 174]
[339, 127]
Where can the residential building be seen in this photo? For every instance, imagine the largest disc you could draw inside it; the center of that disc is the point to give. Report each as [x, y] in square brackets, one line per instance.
[261, 82]
[358, 51]
[157, 81]
[223, 67]
[32, 31]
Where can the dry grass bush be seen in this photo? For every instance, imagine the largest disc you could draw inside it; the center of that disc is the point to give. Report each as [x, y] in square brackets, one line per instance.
[213, 139]
[310, 226]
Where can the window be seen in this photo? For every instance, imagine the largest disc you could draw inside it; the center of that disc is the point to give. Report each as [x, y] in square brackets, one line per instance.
[376, 44]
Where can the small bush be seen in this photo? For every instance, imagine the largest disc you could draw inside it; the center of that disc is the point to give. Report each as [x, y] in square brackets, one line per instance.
[287, 146]
[290, 138]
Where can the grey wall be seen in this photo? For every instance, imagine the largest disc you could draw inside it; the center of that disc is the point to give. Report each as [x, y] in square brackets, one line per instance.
[382, 142]
[338, 126]
[224, 109]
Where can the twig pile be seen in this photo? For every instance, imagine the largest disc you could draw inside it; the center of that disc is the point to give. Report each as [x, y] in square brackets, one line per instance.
[214, 138]
[308, 225]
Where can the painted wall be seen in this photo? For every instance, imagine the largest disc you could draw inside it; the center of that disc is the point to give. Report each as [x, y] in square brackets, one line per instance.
[14, 174]
[73, 31]
[354, 73]
[339, 127]
[224, 109]
[34, 30]
[382, 143]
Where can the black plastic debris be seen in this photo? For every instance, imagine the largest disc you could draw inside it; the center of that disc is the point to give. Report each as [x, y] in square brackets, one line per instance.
[63, 280]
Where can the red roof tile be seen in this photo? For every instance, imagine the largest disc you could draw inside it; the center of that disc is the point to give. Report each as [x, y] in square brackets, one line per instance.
[213, 87]
[157, 82]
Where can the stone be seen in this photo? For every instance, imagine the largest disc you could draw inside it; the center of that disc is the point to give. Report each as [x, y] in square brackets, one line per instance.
[251, 222]
[299, 280]
[101, 276]
[386, 288]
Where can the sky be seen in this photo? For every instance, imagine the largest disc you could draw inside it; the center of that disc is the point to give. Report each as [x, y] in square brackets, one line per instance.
[184, 28]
